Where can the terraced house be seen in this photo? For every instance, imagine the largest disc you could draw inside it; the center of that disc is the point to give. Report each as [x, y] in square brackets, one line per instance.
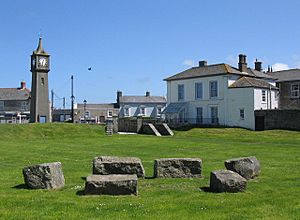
[220, 94]
[15, 104]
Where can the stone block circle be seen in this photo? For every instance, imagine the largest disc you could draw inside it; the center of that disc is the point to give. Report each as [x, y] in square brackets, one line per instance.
[111, 185]
[105, 165]
[227, 181]
[177, 168]
[44, 176]
[247, 167]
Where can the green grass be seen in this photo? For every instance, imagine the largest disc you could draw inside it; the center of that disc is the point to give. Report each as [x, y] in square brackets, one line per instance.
[275, 194]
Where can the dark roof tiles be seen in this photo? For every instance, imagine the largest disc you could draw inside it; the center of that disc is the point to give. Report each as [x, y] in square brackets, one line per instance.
[143, 99]
[245, 82]
[14, 94]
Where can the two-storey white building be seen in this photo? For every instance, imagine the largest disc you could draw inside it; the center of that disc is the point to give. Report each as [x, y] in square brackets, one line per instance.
[219, 94]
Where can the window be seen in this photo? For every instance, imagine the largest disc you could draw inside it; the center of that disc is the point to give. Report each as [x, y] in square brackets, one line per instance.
[295, 91]
[1, 105]
[110, 113]
[276, 95]
[87, 114]
[62, 118]
[142, 110]
[42, 81]
[263, 95]
[213, 89]
[199, 115]
[126, 111]
[198, 91]
[242, 114]
[158, 110]
[180, 92]
[23, 106]
[214, 115]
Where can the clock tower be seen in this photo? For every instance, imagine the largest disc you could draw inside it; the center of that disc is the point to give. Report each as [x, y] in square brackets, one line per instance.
[39, 104]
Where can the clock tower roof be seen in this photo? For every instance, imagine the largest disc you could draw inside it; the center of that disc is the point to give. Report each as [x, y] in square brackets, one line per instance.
[40, 49]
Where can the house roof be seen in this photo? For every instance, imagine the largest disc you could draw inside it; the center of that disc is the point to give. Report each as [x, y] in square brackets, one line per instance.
[245, 82]
[142, 99]
[216, 69]
[286, 75]
[97, 106]
[209, 70]
[175, 107]
[14, 94]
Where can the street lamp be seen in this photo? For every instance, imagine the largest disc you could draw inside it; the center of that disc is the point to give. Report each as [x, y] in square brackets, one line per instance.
[84, 109]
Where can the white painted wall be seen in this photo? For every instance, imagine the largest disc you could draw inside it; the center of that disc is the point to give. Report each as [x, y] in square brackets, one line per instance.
[270, 103]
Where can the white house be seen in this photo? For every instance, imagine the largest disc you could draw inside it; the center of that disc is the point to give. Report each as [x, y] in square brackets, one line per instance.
[143, 106]
[219, 94]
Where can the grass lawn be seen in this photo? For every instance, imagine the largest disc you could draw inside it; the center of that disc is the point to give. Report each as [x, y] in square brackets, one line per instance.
[275, 194]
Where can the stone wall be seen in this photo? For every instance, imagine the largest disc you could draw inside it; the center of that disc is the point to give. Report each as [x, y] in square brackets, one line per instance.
[285, 99]
[280, 119]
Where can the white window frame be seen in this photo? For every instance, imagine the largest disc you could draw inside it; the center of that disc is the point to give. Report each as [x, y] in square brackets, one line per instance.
[276, 95]
[23, 106]
[87, 114]
[109, 113]
[180, 88]
[1, 105]
[211, 114]
[263, 95]
[142, 110]
[126, 111]
[213, 92]
[197, 89]
[295, 93]
[242, 114]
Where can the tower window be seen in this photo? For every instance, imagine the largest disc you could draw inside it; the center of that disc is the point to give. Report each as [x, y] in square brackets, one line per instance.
[42, 81]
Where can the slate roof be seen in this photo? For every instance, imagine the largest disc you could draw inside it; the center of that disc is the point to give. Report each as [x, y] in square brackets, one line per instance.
[97, 106]
[216, 69]
[14, 94]
[245, 82]
[209, 70]
[174, 107]
[142, 99]
[286, 75]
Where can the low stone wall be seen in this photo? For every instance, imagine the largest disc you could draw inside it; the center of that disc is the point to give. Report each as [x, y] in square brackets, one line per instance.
[279, 119]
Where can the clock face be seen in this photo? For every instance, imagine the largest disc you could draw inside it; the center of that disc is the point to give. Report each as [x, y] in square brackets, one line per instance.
[42, 61]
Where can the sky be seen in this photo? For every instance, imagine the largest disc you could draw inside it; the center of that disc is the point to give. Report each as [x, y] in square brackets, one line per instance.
[133, 45]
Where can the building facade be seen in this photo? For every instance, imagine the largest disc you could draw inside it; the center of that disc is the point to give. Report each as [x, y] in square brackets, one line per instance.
[219, 95]
[15, 104]
[141, 106]
[288, 82]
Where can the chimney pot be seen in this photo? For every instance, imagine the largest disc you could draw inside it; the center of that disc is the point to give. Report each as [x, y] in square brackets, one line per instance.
[243, 63]
[23, 85]
[202, 63]
[258, 65]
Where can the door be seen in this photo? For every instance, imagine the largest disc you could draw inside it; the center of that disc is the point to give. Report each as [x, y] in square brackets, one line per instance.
[214, 115]
[199, 115]
[259, 123]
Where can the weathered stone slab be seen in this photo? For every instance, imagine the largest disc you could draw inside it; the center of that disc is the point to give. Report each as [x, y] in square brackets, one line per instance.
[247, 167]
[106, 165]
[111, 185]
[177, 167]
[44, 176]
[227, 181]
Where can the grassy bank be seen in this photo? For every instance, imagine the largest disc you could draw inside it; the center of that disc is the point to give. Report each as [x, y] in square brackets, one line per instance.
[274, 195]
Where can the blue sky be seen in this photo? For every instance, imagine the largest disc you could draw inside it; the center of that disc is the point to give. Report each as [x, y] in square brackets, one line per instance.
[133, 45]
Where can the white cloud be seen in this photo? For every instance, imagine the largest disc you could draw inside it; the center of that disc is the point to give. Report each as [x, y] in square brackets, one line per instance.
[189, 63]
[280, 66]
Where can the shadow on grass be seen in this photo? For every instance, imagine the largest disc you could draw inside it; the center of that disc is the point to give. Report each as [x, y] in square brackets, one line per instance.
[149, 177]
[83, 178]
[206, 189]
[80, 193]
[20, 186]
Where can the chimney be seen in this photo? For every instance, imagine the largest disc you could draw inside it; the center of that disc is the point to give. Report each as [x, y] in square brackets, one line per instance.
[202, 63]
[119, 94]
[23, 85]
[242, 63]
[258, 65]
[147, 94]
